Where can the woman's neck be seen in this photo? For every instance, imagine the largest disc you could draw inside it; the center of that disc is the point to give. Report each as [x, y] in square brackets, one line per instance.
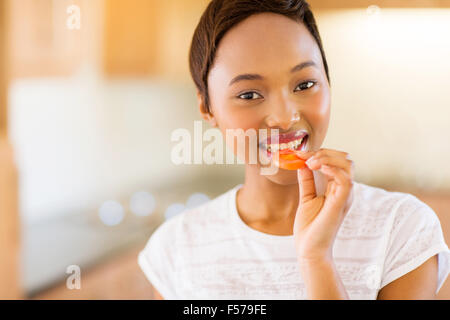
[265, 205]
[270, 207]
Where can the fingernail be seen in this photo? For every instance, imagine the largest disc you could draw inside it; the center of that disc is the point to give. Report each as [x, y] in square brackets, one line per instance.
[310, 161]
[303, 154]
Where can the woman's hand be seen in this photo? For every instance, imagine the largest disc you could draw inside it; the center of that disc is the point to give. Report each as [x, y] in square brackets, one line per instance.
[318, 218]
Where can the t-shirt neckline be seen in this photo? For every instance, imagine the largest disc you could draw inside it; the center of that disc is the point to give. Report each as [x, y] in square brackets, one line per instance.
[253, 233]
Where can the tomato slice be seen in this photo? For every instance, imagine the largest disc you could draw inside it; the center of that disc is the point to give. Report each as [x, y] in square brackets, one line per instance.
[289, 156]
[289, 160]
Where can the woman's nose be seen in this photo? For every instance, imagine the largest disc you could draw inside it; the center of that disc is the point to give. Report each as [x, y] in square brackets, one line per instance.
[283, 116]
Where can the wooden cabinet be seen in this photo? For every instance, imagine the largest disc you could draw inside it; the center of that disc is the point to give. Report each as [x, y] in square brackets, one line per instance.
[149, 37]
[132, 31]
[3, 67]
[41, 42]
[9, 214]
[152, 37]
[10, 286]
[123, 37]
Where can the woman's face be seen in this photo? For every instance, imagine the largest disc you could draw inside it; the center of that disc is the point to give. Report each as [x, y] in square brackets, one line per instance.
[269, 48]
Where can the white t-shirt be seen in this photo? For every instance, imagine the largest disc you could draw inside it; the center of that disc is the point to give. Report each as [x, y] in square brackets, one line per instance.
[208, 252]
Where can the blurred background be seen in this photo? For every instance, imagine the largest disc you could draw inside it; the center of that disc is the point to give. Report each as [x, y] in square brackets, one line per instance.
[91, 90]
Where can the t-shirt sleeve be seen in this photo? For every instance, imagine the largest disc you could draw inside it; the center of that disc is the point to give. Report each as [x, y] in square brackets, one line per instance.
[416, 236]
[156, 261]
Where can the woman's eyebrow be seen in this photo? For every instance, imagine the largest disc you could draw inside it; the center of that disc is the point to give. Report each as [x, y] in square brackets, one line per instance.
[303, 65]
[247, 76]
[253, 76]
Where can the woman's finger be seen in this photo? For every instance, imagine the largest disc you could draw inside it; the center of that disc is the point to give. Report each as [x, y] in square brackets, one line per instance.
[339, 175]
[331, 152]
[336, 201]
[315, 162]
[306, 183]
[305, 154]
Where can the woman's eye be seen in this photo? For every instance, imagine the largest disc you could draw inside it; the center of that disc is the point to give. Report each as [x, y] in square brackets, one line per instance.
[306, 85]
[249, 96]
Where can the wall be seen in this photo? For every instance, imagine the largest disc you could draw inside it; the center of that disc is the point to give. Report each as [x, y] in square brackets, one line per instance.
[390, 106]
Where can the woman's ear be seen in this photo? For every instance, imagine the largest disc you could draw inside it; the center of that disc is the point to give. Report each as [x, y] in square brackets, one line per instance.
[207, 115]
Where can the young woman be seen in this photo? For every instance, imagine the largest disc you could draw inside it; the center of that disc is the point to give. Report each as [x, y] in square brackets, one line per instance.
[311, 233]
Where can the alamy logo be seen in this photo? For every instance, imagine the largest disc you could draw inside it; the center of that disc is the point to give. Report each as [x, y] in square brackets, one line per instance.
[74, 18]
[213, 153]
[74, 280]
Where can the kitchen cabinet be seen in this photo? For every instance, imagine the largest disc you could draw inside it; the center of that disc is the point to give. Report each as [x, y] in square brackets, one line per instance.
[149, 37]
[41, 43]
[9, 214]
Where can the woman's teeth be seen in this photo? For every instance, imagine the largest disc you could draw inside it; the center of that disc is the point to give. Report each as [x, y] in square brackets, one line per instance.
[291, 145]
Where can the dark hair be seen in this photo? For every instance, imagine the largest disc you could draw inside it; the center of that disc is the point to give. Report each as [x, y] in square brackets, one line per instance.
[221, 15]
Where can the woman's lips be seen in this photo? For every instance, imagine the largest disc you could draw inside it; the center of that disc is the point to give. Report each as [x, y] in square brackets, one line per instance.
[294, 140]
[286, 137]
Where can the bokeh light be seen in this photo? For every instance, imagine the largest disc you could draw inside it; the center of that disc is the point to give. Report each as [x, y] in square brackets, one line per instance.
[196, 199]
[111, 213]
[173, 210]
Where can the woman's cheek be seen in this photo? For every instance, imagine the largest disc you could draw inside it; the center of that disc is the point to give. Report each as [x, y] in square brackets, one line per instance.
[318, 116]
[240, 132]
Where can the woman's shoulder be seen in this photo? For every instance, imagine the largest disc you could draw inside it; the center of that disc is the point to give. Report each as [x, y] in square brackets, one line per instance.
[369, 192]
[383, 211]
[375, 199]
